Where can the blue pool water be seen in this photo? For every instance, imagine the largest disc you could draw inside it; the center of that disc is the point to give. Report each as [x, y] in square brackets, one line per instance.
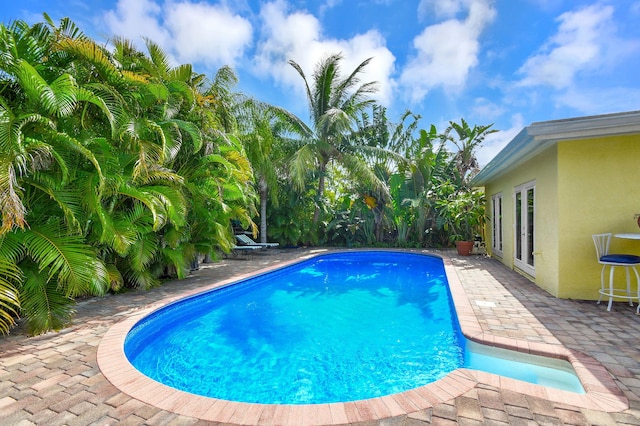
[550, 372]
[338, 327]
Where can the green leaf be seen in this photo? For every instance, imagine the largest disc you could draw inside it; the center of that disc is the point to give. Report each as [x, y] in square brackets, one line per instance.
[142, 280]
[143, 252]
[64, 259]
[44, 305]
[10, 277]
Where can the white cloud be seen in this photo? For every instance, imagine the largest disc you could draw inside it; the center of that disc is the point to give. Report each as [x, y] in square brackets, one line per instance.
[495, 142]
[446, 52]
[485, 109]
[546, 4]
[133, 19]
[328, 4]
[441, 8]
[190, 32]
[581, 42]
[298, 36]
[600, 100]
[207, 33]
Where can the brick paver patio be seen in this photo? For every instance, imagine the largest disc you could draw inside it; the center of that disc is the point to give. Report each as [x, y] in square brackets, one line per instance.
[54, 379]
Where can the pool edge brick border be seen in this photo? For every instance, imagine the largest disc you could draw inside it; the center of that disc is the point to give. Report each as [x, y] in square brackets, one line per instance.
[602, 393]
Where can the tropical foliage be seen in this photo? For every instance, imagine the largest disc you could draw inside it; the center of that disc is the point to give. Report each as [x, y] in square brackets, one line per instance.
[334, 105]
[119, 168]
[116, 170]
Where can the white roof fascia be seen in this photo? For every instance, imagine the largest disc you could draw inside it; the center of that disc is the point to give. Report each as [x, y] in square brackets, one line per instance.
[537, 137]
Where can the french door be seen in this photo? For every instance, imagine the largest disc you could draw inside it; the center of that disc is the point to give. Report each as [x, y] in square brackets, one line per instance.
[496, 224]
[524, 224]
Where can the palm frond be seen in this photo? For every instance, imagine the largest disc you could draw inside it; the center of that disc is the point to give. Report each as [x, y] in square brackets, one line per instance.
[110, 101]
[241, 167]
[324, 91]
[301, 162]
[174, 203]
[178, 257]
[142, 280]
[153, 204]
[159, 174]
[158, 91]
[181, 91]
[23, 41]
[10, 279]
[190, 129]
[159, 59]
[95, 55]
[73, 144]
[353, 79]
[13, 210]
[116, 281]
[57, 98]
[117, 233]
[68, 200]
[83, 94]
[107, 229]
[135, 77]
[65, 259]
[143, 252]
[9, 304]
[183, 73]
[66, 29]
[44, 305]
[298, 68]
[364, 174]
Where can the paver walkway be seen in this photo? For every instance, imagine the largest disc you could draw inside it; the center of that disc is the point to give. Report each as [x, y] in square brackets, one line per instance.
[54, 379]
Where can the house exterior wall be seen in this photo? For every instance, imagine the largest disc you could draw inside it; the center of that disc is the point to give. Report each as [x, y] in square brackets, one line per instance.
[587, 181]
[599, 189]
[543, 170]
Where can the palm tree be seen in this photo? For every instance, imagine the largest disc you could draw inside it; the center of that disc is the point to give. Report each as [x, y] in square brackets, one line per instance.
[385, 146]
[122, 166]
[219, 177]
[47, 263]
[467, 140]
[259, 143]
[32, 99]
[266, 135]
[335, 103]
[417, 164]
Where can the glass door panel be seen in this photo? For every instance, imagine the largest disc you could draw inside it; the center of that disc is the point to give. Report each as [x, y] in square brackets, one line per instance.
[524, 227]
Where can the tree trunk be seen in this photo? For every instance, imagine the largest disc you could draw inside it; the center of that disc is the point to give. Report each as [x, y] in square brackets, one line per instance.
[264, 191]
[316, 213]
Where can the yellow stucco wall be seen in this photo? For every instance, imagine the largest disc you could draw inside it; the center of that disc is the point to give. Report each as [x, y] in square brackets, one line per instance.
[583, 187]
[599, 185]
[543, 170]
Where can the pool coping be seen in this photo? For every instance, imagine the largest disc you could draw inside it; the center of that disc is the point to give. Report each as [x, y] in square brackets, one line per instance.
[601, 391]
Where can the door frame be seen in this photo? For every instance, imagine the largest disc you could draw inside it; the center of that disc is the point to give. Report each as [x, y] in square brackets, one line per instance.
[524, 227]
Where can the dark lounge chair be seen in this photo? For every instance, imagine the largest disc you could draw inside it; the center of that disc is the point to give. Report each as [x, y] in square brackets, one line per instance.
[246, 241]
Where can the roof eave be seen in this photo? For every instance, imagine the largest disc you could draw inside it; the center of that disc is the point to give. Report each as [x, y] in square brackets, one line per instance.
[537, 137]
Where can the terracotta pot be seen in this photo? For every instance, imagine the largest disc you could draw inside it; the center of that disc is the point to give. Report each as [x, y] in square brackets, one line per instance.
[464, 247]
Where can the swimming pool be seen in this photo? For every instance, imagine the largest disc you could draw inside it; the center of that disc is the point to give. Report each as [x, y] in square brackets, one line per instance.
[338, 327]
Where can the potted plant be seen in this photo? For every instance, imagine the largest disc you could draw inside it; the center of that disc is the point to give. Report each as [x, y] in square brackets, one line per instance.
[464, 218]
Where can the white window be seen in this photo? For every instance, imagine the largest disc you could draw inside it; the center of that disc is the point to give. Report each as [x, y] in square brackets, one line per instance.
[524, 227]
[496, 224]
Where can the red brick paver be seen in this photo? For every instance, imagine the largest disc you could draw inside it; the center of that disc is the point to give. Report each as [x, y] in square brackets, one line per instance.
[54, 379]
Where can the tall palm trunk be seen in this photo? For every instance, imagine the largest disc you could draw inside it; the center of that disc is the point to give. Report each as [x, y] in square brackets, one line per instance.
[334, 105]
[263, 189]
[321, 183]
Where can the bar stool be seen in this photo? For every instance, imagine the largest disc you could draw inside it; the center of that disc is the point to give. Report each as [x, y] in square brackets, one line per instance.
[627, 261]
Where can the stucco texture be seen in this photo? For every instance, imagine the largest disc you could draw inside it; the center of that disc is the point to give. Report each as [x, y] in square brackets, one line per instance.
[582, 187]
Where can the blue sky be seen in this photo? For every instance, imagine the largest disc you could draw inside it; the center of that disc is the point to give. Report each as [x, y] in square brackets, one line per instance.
[507, 62]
